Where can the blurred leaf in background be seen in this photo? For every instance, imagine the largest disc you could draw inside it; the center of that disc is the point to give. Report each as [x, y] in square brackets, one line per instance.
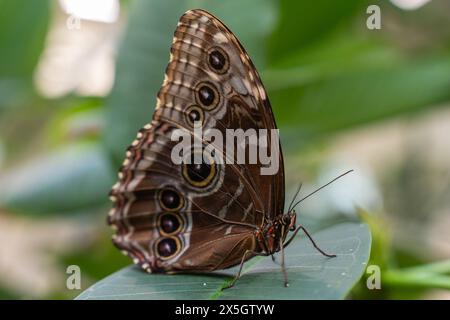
[29, 23]
[73, 179]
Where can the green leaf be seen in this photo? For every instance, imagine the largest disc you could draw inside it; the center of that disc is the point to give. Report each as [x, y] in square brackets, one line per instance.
[144, 55]
[23, 28]
[362, 96]
[432, 275]
[311, 275]
[303, 22]
[73, 179]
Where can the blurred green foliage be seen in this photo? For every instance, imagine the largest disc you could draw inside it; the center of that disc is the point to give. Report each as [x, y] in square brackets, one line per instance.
[23, 28]
[324, 71]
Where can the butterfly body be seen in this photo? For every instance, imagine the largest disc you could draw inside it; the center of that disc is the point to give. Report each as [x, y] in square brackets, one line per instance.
[195, 217]
[270, 238]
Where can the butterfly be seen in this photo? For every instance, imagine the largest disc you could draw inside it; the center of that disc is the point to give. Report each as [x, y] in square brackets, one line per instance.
[198, 217]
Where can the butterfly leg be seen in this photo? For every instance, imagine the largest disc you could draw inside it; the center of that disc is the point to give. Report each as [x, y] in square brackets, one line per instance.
[274, 260]
[283, 266]
[238, 275]
[330, 255]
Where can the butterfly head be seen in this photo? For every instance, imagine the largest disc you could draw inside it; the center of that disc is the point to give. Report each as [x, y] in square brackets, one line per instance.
[289, 220]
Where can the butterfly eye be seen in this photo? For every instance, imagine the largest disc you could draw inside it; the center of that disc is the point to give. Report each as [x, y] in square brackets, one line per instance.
[199, 174]
[207, 95]
[193, 114]
[167, 247]
[170, 200]
[218, 60]
[170, 223]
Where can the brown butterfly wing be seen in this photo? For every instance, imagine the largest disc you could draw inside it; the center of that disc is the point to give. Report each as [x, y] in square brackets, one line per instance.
[245, 104]
[201, 236]
[167, 220]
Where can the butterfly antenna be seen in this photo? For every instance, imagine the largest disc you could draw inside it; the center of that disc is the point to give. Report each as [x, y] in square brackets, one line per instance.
[327, 184]
[295, 196]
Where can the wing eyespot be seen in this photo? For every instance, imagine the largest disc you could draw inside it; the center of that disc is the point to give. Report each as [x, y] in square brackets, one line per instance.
[193, 114]
[170, 223]
[207, 95]
[167, 247]
[218, 60]
[199, 174]
[170, 200]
